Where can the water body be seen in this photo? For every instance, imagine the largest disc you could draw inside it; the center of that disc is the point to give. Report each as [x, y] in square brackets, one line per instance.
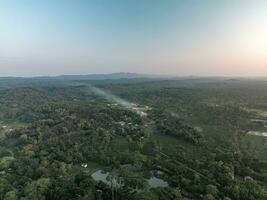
[100, 175]
[107, 178]
[258, 120]
[153, 181]
[257, 133]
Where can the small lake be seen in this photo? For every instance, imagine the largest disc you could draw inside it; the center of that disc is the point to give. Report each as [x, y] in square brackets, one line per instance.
[100, 175]
[153, 181]
[257, 133]
[258, 120]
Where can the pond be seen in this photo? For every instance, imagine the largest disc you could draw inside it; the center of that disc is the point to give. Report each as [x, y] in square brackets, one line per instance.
[153, 181]
[100, 175]
[257, 133]
[258, 120]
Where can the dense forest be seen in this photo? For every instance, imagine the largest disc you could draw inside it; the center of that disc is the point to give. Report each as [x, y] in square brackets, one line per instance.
[133, 139]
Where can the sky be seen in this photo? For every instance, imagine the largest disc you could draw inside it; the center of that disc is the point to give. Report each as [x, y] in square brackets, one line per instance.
[170, 37]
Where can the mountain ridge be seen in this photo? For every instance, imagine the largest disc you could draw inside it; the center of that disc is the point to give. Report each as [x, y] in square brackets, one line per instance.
[111, 76]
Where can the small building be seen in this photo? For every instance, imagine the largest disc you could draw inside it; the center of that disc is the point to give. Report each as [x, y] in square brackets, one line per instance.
[84, 165]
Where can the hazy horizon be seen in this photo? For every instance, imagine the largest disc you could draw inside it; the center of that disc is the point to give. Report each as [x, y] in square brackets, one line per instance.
[144, 75]
[179, 38]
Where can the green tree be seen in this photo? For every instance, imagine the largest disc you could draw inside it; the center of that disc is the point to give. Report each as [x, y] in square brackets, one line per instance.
[11, 195]
[38, 189]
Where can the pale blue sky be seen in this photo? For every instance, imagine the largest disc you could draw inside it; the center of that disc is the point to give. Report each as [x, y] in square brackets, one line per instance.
[189, 37]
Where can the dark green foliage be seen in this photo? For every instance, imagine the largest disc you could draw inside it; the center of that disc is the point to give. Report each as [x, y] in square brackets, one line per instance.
[194, 135]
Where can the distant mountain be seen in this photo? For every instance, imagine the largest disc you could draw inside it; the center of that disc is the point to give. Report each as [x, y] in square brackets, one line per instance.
[103, 76]
[69, 79]
[113, 76]
[95, 79]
